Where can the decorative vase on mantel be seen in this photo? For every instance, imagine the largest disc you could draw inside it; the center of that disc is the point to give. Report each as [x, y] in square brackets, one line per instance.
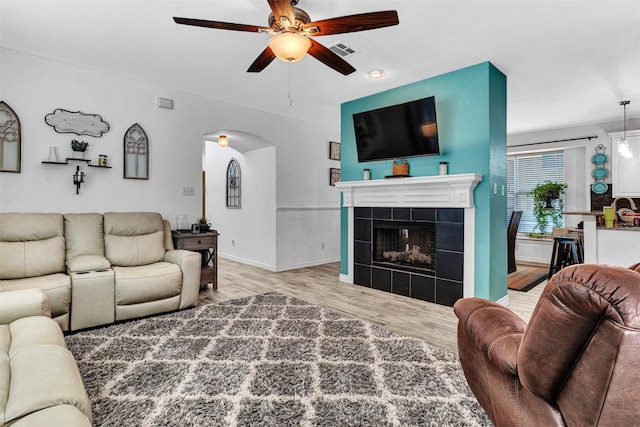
[78, 155]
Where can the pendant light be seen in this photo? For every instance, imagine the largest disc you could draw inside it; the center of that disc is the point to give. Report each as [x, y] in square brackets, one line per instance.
[623, 145]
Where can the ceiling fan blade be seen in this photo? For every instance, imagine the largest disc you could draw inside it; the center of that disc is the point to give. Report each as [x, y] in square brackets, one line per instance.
[282, 8]
[262, 61]
[330, 59]
[219, 25]
[353, 23]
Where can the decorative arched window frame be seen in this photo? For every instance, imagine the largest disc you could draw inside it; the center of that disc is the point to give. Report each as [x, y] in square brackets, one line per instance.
[233, 184]
[10, 139]
[136, 153]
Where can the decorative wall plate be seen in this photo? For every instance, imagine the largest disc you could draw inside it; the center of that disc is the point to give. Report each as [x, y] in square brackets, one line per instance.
[600, 173]
[599, 158]
[599, 187]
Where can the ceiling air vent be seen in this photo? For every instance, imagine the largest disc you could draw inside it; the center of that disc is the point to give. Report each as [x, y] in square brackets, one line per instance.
[341, 49]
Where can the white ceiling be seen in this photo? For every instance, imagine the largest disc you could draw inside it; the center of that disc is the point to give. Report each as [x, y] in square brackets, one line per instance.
[567, 62]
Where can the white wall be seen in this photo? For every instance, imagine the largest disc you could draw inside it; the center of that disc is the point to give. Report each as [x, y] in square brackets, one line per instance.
[35, 86]
[247, 234]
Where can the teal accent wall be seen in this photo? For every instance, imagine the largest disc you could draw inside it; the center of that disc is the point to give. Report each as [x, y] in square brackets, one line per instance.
[471, 110]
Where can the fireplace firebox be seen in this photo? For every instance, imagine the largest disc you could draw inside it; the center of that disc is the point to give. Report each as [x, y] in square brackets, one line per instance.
[404, 245]
[415, 252]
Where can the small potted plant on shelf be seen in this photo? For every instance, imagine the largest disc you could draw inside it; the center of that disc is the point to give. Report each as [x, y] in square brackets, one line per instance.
[548, 204]
[204, 225]
[78, 147]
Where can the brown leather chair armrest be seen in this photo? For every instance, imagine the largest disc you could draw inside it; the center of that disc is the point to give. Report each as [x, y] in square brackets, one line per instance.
[493, 329]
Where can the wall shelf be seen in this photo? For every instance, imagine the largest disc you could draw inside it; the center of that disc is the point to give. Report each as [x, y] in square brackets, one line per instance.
[68, 159]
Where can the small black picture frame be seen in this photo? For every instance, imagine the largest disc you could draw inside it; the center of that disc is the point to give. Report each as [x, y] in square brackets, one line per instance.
[334, 150]
[334, 176]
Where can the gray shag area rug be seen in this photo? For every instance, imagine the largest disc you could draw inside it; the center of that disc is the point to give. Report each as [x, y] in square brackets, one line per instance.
[268, 360]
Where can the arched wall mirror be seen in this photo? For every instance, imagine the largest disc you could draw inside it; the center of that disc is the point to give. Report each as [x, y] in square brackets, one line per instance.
[10, 143]
[233, 184]
[136, 153]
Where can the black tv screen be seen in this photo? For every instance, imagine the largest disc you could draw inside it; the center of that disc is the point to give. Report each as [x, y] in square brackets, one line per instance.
[403, 130]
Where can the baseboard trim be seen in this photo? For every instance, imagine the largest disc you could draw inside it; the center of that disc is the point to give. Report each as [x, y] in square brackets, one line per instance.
[248, 262]
[504, 300]
[277, 269]
[344, 278]
[307, 264]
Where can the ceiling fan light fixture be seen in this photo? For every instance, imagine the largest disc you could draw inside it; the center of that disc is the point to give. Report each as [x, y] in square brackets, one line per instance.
[222, 141]
[289, 46]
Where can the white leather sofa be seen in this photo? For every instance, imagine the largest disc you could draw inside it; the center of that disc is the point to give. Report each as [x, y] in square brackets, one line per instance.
[40, 384]
[98, 268]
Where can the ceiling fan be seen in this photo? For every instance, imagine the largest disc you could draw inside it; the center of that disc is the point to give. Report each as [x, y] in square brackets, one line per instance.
[291, 29]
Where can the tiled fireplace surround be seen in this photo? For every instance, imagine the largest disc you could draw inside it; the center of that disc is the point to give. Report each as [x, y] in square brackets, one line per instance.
[442, 204]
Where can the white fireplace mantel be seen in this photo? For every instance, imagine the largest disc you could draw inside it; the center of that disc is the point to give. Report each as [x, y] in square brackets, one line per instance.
[441, 191]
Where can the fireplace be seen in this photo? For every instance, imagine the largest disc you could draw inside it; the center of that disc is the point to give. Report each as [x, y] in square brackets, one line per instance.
[404, 245]
[443, 202]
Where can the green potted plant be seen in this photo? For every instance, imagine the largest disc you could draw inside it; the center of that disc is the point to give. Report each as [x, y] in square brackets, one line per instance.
[548, 204]
[204, 225]
[78, 147]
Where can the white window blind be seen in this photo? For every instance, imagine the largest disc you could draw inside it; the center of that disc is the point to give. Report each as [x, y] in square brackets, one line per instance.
[525, 172]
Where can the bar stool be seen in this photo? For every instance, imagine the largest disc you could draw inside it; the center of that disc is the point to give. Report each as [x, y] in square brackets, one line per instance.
[567, 250]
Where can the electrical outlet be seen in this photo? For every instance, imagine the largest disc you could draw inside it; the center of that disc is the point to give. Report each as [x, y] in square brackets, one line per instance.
[188, 191]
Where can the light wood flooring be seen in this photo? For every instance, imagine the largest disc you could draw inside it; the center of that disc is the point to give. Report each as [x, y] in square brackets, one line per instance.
[435, 324]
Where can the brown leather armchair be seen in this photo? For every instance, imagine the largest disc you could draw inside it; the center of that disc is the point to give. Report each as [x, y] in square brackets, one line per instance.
[577, 361]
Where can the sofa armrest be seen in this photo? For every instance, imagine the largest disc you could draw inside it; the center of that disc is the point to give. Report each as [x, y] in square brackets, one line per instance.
[23, 303]
[83, 263]
[191, 265]
[492, 329]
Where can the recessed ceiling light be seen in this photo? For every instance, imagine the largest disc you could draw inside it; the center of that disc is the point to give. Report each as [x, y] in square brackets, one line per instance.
[376, 74]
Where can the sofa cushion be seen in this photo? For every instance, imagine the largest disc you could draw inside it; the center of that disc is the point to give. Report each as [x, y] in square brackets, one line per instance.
[24, 240]
[84, 234]
[56, 286]
[134, 238]
[129, 251]
[23, 303]
[31, 258]
[27, 332]
[24, 227]
[36, 344]
[35, 385]
[132, 223]
[152, 282]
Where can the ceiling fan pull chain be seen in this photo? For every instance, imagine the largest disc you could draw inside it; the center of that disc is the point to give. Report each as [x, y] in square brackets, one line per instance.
[289, 83]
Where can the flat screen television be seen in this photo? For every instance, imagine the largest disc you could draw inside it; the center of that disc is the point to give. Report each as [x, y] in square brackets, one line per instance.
[397, 131]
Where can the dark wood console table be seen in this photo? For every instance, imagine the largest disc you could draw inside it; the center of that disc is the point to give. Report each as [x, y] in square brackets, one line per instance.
[207, 244]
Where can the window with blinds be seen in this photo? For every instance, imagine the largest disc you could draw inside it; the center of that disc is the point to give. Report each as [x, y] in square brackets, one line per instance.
[525, 171]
